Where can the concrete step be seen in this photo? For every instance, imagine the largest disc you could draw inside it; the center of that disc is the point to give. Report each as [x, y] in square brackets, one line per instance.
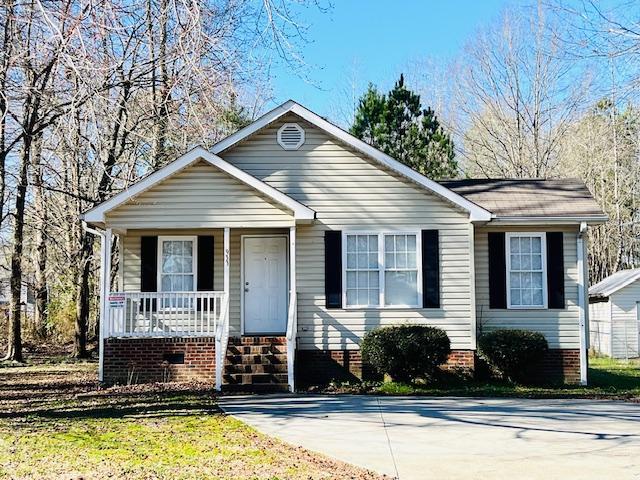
[275, 359]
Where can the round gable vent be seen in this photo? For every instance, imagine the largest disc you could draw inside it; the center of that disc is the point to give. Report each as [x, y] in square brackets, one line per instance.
[291, 136]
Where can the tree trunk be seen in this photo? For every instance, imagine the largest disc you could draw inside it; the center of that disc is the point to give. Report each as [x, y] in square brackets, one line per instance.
[40, 319]
[82, 296]
[14, 350]
[7, 45]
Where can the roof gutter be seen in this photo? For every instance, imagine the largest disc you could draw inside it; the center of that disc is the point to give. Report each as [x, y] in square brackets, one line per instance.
[542, 220]
[583, 301]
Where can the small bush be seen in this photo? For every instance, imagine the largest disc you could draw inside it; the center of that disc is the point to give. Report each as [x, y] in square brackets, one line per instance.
[513, 353]
[406, 352]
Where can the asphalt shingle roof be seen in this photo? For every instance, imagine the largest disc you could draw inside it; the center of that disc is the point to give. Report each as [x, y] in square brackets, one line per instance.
[528, 198]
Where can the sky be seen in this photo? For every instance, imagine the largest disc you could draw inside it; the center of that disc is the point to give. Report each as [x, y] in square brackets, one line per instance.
[372, 41]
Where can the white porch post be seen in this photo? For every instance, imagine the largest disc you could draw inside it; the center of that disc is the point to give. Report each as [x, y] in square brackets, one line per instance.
[222, 330]
[292, 323]
[102, 308]
[105, 282]
[582, 301]
[292, 261]
[226, 260]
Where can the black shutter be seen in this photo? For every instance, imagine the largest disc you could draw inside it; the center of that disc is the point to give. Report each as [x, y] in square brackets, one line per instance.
[555, 270]
[497, 271]
[205, 263]
[149, 264]
[333, 268]
[430, 269]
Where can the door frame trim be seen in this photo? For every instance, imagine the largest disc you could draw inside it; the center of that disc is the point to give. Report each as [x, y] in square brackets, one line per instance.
[287, 260]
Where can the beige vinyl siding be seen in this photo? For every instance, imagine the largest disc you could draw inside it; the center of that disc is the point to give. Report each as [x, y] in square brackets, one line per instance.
[559, 326]
[132, 266]
[130, 258]
[349, 192]
[624, 321]
[200, 196]
[600, 327]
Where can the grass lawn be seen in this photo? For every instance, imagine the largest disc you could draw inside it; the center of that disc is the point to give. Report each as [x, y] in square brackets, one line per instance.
[608, 379]
[56, 424]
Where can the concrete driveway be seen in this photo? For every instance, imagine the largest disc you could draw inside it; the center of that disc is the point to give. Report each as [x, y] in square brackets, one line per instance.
[457, 438]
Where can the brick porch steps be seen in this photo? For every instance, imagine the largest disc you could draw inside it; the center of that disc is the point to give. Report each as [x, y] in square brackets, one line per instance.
[256, 364]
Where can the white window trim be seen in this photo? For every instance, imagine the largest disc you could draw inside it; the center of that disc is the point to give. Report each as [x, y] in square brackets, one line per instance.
[381, 270]
[182, 238]
[507, 252]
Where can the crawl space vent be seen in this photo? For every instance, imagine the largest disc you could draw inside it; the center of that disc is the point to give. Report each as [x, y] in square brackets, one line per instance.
[291, 136]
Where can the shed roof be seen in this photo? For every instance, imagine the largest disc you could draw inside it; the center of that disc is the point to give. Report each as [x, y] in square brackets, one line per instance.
[514, 198]
[614, 282]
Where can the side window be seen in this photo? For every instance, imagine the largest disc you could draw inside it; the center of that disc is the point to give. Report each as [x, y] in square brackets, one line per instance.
[526, 270]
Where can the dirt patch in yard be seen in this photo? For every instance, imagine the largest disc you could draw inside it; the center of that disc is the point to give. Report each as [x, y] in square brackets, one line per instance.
[56, 423]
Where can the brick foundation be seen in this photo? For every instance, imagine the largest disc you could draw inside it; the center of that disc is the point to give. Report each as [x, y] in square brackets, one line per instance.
[461, 361]
[144, 360]
[319, 367]
[560, 365]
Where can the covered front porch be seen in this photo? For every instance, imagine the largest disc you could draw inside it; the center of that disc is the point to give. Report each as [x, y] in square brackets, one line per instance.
[206, 252]
[180, 286]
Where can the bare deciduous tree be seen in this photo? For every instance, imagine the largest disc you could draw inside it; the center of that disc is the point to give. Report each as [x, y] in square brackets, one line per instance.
[520, 97]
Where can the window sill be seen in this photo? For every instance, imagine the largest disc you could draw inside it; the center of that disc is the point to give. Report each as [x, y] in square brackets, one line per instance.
[515, 307]
[385, 307]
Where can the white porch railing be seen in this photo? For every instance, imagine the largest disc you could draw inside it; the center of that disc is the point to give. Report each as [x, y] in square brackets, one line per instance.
[164, 314]
[292, 334]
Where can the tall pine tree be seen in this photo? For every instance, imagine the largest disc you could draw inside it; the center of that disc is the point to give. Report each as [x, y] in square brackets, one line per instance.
[397, 124]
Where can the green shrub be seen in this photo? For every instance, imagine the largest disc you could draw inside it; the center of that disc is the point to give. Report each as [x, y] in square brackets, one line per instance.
[513, 353]
[406, 352]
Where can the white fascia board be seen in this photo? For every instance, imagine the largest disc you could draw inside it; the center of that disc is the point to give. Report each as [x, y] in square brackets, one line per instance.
[591, 220]
[476, 213]
[301, 212]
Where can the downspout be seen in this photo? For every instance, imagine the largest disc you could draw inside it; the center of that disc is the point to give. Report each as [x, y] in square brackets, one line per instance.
[583, 314]
[103, 294]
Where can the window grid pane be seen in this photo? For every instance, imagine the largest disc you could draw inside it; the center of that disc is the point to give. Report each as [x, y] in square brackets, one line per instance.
[401, 270]
[362, 270]
[526, 271]
[176, 272]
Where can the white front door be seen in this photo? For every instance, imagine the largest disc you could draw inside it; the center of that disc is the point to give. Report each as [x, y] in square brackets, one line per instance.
[265, 285]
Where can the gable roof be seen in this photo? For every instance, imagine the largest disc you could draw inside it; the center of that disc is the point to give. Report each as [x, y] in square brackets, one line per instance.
[531, 198]
[614, 282]
[97, 213]
[476, 212]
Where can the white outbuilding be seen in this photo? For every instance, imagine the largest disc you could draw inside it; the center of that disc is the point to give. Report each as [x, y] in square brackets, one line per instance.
[614, 314]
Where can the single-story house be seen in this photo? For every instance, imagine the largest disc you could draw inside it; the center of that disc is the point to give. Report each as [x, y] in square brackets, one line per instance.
[614, 315]
[264, 260]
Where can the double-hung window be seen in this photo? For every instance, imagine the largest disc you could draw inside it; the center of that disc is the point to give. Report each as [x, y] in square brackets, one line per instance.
[381, 270]
[177, 267]
[526, 270]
